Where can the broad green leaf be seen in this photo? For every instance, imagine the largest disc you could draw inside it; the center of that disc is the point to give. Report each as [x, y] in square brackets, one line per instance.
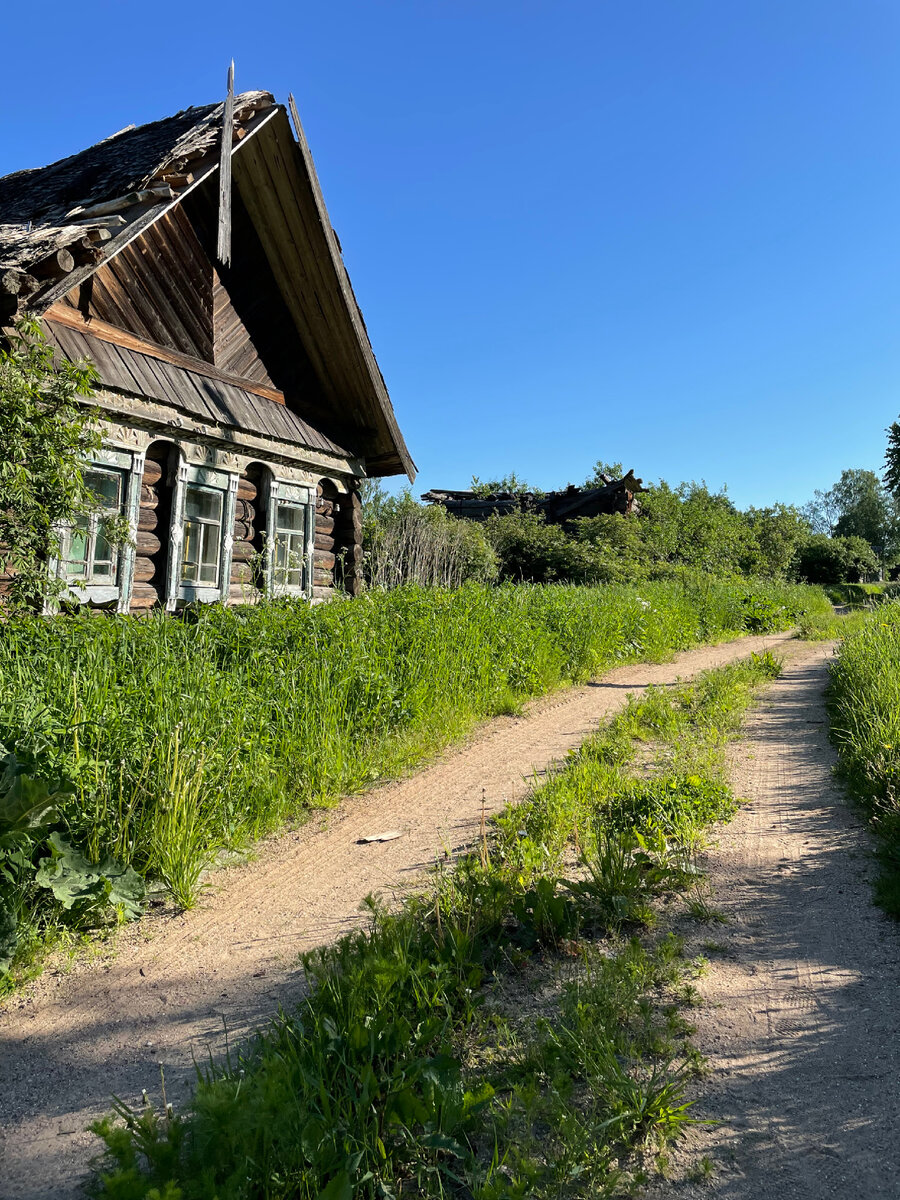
[339, 1188]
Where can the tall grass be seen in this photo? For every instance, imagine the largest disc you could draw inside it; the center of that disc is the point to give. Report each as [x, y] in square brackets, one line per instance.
[864, 707]
[413, 1067]
[183, 737]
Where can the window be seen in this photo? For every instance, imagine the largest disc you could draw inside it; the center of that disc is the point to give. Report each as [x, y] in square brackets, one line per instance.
[290, 544]
[89, 556]
[202, 535]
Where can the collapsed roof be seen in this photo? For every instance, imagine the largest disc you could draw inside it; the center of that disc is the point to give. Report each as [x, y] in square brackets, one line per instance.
[615, 496]
[60, 223]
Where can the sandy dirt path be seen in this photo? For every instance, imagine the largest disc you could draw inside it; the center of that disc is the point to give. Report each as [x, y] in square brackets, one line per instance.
[174, 983]
[801, 1020]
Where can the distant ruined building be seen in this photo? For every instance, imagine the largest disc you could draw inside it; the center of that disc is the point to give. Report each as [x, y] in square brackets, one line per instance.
[616, 496]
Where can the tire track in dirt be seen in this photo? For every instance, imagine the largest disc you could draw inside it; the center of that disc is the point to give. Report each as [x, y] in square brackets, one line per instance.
[800, 1023]
[175, 983]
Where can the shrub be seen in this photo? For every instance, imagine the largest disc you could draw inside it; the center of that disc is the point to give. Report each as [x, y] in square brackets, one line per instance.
[405, 542]
[826, 559]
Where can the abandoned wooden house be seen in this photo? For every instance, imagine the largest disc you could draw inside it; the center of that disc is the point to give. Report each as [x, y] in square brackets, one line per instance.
[241, 401]
[614, 496]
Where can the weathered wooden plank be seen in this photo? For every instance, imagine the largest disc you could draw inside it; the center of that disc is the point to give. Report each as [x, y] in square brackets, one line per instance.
[104, 331]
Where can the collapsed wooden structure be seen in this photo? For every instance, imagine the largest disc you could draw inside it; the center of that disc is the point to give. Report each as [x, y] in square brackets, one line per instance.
[614, 496]
[241, 400]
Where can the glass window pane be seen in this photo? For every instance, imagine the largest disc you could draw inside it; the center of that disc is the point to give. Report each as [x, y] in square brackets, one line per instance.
[190, 566]
[78, 546]
[106, 486]
[104, 557]
[209, 555]
[203, 504]
[290, 518]
[202, 535]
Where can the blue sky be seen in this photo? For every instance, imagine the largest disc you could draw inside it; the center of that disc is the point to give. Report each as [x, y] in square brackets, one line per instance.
[666, 233]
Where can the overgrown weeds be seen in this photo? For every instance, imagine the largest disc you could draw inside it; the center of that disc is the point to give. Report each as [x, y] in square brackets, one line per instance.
[172, 741]
[864, 710]
[513, 1031]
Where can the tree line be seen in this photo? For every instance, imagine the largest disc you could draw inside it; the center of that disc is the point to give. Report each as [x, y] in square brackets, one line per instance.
[848, 533]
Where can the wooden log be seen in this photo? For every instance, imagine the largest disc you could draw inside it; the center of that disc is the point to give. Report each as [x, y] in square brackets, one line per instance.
[243, 531]
[324, 524]
[143, 596]
[54, 265]
[322, 592]
[246, 489]
[243, 593]
[98, 236]
[177, 181]
[326, 507]
[85, 251]
[147, 543]
[242, 551]
[241, 572]
[144, 570]
[11, 282]
[244, 511]
[149, 496]
[153, 473]
[323, 561]
[322, 578]
[324, 541]
[148, 519]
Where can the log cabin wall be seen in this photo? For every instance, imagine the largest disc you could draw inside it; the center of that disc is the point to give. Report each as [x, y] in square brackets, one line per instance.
[151, 542]
[248, 535]
[324, 553]
[337, 559]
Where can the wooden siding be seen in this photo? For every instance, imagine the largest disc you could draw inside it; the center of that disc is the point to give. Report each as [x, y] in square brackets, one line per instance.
[234, 348]
[204, 398]
[159, 287]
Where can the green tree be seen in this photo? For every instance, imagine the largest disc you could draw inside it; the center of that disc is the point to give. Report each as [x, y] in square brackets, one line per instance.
[601, 468]
[858, 505]
[46, 434]
[779, 531]
[892, 461]
[825, 559]
[510, 483]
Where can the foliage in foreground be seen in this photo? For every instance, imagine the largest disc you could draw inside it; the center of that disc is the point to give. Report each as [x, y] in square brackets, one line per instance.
[46, 436]
[409, 1069]
[171, 741]
[864, 704]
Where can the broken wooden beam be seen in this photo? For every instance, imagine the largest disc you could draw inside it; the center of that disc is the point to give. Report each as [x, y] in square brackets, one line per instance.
[59, 263]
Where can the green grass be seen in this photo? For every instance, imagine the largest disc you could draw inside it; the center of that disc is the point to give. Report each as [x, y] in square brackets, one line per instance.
[172, 741]
[513, 1031]
[864, 709]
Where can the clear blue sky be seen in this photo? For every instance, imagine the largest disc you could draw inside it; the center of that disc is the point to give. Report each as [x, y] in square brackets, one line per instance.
[656, 231]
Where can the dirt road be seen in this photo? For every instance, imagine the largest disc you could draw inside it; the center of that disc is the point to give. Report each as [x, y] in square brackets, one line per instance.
[801, 1021]
[176, 983]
